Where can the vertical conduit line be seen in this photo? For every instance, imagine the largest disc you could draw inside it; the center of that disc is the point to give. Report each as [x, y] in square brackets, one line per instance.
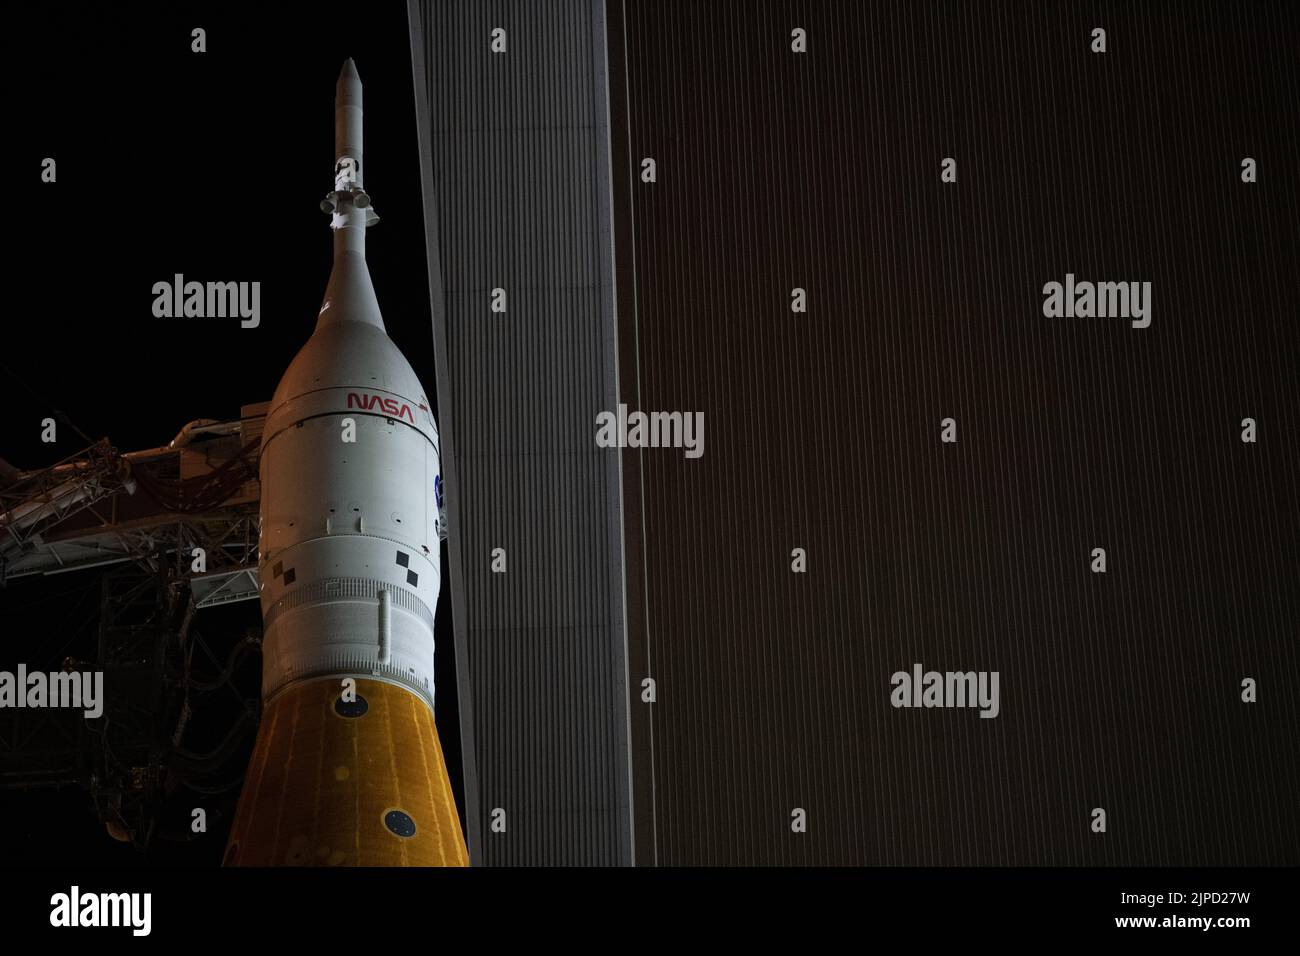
[385, 627]
[636, 328]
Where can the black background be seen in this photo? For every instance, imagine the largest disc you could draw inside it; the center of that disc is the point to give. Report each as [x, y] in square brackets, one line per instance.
[1072, 433]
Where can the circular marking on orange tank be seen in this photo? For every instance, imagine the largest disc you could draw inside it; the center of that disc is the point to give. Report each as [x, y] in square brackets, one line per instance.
[297, 854]
[400, 823]
[342, 773]
[351, 708]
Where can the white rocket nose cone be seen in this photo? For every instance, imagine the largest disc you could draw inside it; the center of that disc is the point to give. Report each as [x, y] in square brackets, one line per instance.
[350, 295]
[349, 84]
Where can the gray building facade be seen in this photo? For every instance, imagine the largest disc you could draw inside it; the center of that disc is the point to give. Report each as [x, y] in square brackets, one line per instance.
[513, 116]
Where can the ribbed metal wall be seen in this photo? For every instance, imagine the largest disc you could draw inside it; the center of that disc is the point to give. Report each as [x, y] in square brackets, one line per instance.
[515, 153]
[821, 170]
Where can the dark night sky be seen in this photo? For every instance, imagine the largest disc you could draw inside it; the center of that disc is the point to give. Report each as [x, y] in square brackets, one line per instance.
[211, 165]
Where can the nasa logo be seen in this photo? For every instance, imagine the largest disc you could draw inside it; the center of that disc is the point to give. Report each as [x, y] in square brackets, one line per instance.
[389, 406]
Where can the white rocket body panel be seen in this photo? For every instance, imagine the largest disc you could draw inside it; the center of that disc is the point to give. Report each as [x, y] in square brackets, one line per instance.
[341, 522]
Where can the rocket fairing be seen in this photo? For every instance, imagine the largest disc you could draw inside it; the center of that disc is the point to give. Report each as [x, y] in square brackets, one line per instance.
[349, 564]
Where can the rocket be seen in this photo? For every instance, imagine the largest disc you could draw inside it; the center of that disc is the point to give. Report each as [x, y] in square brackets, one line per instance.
[347, 769]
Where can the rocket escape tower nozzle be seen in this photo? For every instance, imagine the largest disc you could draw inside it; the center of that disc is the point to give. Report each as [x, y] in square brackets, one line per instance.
[349, 182]
[350, 294]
